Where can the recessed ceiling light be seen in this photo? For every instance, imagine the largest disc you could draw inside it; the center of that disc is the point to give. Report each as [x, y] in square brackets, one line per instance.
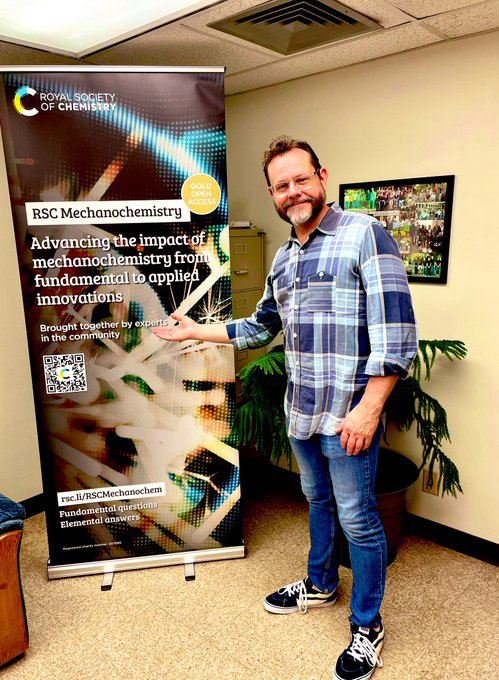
[79, 28]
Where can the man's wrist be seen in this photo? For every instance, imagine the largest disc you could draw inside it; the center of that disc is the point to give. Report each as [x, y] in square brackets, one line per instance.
[371, 406]
[213, 332]
[377, 392]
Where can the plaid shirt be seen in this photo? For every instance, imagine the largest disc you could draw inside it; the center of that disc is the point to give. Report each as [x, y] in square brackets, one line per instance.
[343, 303]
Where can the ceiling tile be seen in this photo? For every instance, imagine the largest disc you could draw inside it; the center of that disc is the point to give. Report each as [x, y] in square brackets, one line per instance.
[20, 55]
[378, 10]
[426, 8]
[176, 45]
[483, 17]
[383, 43]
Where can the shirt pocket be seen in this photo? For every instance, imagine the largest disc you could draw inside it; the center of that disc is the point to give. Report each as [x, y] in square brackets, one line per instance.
[320, 295]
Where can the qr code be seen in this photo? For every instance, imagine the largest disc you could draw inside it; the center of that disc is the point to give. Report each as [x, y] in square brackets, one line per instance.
[65, 373]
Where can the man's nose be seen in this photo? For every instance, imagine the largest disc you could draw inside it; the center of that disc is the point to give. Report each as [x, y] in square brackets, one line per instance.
[293, 190]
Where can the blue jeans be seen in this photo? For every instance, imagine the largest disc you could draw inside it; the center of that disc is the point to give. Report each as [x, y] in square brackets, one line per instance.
[12, 515]
[340, 491]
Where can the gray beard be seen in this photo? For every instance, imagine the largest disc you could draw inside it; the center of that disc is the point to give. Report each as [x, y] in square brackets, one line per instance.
[307, 211]
[301, 215]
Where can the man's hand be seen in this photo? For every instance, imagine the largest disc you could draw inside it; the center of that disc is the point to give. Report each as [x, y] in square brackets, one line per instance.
[357, 430]
[359, 426]
[185, 330]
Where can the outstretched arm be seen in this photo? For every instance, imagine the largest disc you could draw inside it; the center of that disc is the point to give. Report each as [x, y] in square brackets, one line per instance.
[187, 329]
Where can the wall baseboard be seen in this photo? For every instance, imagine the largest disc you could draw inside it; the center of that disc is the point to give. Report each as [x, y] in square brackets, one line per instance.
[480, 548]
[34, 505]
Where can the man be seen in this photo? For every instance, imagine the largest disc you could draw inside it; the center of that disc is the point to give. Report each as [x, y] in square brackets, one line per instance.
[338, 290]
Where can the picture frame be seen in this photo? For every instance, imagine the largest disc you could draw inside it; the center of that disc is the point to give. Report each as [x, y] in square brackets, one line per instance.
[417, 212]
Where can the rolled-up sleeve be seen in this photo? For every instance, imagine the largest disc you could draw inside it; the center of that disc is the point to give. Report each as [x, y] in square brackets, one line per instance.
[260, 328]
[391, 323]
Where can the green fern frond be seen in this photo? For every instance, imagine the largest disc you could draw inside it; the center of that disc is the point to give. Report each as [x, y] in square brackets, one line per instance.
[428, 361]
[260, 416]
[449, 477]
[409, 403]
[452, 349]
[416, 368]
[271, 363]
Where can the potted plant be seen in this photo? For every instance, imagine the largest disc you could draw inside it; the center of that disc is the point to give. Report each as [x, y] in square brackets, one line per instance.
[260, 422]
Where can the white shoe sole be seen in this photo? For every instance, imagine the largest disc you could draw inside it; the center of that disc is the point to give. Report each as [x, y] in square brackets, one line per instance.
[290, 610]
[364, 677]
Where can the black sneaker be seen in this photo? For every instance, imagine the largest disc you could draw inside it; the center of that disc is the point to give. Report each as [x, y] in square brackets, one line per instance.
[361, 657]
[298, 597]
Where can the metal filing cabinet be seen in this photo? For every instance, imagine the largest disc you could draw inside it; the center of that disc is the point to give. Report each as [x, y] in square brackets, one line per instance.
[248, 276]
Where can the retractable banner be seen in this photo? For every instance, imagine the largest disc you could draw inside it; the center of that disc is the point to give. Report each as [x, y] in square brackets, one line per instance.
[119, 198]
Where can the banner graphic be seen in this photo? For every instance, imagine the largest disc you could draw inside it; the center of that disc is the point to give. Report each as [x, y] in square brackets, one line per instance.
[118, 190]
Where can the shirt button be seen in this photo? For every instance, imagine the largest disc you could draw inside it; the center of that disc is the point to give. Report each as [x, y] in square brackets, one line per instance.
[295, 335]
[321, 274]
[297, 279]
[296, 307]
[301, 252]
[297, 363]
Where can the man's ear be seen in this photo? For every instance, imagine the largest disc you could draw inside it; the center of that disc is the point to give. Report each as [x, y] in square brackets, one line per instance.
[324, 174]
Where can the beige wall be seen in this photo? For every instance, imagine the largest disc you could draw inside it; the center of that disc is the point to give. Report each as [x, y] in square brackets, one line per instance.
[19, 459]
[428, 112]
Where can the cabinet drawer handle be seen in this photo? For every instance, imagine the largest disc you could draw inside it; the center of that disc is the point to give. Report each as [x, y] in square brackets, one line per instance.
[241, 271]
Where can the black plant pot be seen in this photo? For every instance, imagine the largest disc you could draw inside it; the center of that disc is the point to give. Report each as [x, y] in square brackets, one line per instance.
[394, 475]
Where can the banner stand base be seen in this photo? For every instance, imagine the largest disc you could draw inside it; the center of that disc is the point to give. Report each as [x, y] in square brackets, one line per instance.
[189, 571]
[109, 567]
[107, 580]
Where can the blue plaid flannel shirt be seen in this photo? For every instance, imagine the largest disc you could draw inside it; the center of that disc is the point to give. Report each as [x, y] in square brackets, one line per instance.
[343, 303]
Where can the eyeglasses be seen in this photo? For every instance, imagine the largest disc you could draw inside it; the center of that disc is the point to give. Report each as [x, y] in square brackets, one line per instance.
[302, 182]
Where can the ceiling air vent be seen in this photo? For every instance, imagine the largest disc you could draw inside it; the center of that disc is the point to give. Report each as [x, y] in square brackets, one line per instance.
[289, 26]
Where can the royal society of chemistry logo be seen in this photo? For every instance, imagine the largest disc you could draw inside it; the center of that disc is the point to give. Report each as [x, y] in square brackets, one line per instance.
[18, 103]
[63, 101]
